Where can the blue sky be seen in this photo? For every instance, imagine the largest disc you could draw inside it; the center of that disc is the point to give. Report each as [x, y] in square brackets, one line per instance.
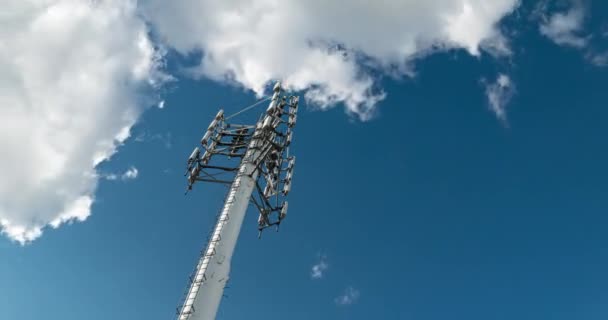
[432, 209]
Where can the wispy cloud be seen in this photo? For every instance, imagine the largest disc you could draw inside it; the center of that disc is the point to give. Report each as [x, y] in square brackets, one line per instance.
[499, 93]
[130, 174]
[566, 28]
[165, 139]
[350, 296]
[598, 59]
[318, 270]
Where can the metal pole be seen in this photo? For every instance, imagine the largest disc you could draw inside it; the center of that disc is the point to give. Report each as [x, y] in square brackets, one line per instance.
[264, 158]
[213, 269]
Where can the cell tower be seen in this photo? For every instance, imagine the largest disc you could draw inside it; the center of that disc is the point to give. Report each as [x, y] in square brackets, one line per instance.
[256, 158]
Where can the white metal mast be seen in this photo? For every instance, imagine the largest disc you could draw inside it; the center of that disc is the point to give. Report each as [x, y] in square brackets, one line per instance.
[262, 162]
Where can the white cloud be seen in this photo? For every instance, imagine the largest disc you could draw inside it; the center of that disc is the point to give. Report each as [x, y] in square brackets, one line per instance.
[319, 268]
[565, 28]
[73, 77]
[499, 94]
[324, 46]
[110, 176]
[350, 296]
[130, 174]
[161, 104]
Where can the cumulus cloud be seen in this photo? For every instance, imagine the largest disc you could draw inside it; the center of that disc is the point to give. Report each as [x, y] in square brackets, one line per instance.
[161, 104]
[333, 49]
[566, 28]
[318, 269]
[348, 297]
[499, 93]
[73, 77]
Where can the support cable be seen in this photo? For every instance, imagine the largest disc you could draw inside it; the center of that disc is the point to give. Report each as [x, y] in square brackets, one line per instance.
[247, 108]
